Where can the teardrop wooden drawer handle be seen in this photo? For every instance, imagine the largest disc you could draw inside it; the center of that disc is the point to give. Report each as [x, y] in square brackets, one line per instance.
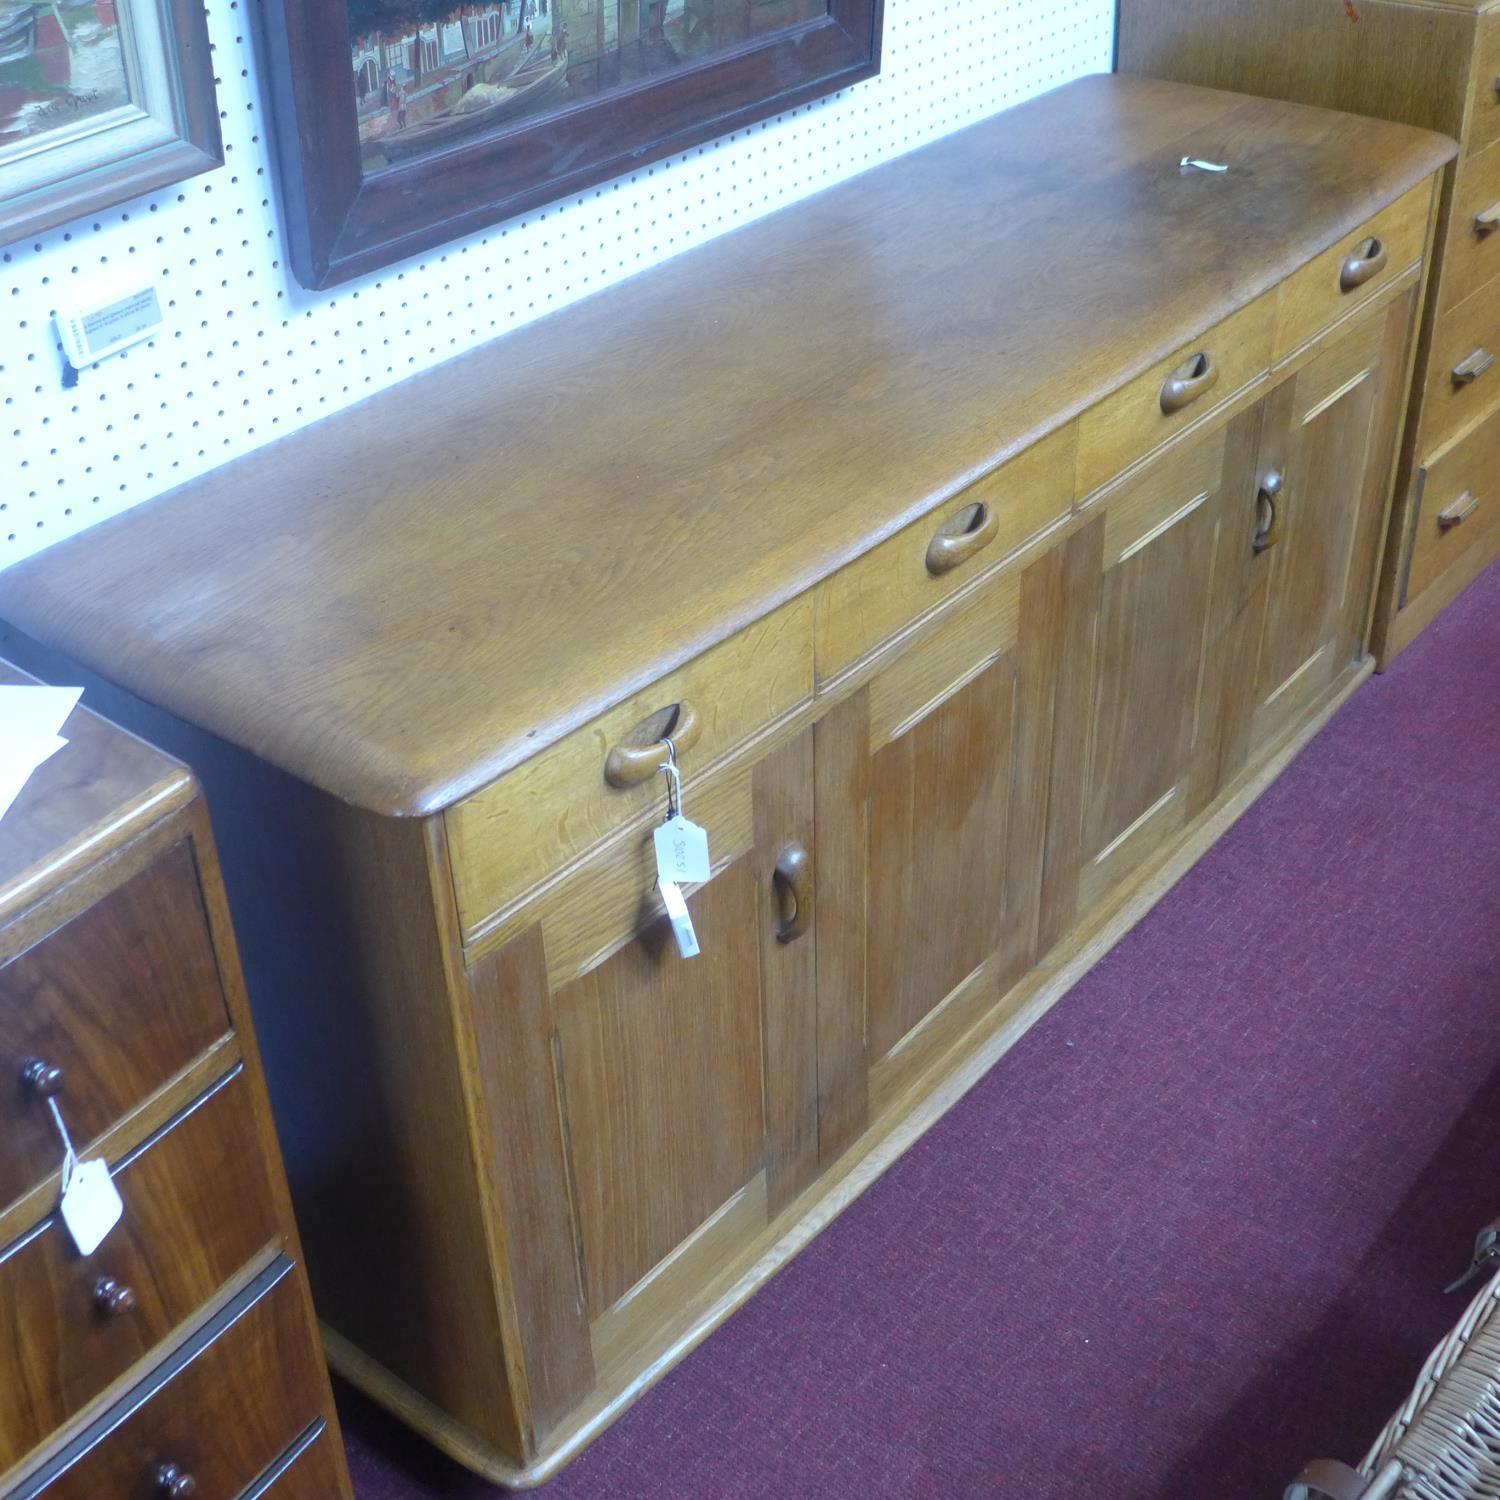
[1487, 219]
[173, 1483]
[1459, 511]
[42, 1078]
[1466, 371]
[1268, 531]
[960, 537]
[641, 755]
[113, 1298]
[794, 892]
[1367, 262]
[1188, 381]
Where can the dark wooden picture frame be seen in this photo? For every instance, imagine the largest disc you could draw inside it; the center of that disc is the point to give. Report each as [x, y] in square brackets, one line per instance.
[343, 221]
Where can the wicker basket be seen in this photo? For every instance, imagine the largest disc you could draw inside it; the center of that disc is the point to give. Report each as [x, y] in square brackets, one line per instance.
[1444, 1443]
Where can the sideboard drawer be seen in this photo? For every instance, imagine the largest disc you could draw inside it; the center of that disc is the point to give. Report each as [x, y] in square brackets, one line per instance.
[219, 1411]
[1484, 116]
[514, 833]
[197, 1208]
[1174, 393]
[1460, 504]
[312, 1469]
[898, 582]
[1348, 273]
[1463, 379]
[1473, 257]
[118, 1001]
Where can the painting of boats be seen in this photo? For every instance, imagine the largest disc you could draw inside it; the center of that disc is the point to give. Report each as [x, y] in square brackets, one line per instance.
[60, 64]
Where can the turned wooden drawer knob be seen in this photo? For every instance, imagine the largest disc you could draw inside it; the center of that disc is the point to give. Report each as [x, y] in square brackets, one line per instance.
[42, 1078]
[1188, 381]
[113, 1298]
[173, 1483]
[643, 752]
[1367, 261]
[960, 537]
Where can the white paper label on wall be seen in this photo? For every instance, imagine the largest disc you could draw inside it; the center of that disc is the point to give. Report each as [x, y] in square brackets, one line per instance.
[91, 332]
[681, 919]
[682, 852]
[91, 1205]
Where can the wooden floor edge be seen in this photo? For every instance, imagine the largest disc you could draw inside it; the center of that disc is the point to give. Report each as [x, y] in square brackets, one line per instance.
[942, 1085]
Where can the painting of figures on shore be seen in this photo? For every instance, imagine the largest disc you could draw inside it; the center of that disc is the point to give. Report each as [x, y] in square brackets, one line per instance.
[61, 65]
[430, 75]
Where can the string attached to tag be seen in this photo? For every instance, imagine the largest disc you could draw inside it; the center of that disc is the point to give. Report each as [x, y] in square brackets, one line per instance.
[681, 856]
[90, 1203]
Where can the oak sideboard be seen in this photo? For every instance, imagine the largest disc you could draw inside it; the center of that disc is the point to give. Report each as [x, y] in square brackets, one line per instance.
[1434, 63]
[984, 534]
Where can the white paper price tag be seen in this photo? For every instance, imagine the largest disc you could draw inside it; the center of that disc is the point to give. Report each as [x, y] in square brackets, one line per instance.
[682, 922]
[682, 852]
[90, 1205]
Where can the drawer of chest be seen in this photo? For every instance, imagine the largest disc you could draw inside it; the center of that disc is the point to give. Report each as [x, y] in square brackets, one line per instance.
[897, 583]
[1472, 258]
[519, 830]
[311, 1469]
[102, 1013]
[1353, 270]
[1463, 376]
[1484, 115]
[1174, 393]
[197, 1209]
[1460, 504]
[214, 1416]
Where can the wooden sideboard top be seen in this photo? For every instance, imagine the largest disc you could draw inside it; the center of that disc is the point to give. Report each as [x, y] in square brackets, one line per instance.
[87, 800]
[414, 596]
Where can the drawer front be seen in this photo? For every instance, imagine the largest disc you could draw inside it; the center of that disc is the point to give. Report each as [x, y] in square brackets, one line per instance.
[197, 1209]
[517, 831]
[120, 999]
[1174, 393]
[221, 1410]
[1473, 254]
[1460, 504]
[1484, 118]
[312, 1469]
[1463, 380]
[896, 583]
[1352, 271]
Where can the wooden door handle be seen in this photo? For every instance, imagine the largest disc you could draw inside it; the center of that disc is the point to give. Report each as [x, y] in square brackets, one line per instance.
[960, 537]
[1468, 370]
[42, 1078]
[794, 891]
[1268, 519]
[643, 753]
[1459, 511]
[1188, 381]
[1487, 219]
[1367, 261]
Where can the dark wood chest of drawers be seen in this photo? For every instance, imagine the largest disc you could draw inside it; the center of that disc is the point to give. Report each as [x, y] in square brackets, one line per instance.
[180, 1358]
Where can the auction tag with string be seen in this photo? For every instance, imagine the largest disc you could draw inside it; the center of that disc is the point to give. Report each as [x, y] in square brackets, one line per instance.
[90, 1204]
[681, 919]
[682, 852]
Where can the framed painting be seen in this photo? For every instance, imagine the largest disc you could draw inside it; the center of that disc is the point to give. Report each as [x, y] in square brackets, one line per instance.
[100, 100]
[402, 124]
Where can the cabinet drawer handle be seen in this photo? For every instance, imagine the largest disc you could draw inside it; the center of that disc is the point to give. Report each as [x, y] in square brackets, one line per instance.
[1268, 504]
[794, 892]
[113, 1298]
[1487, 219]
[1188, 381]
[42, 1078]
[1466, 371]
[961, 536]
[1459, 511]
[173, 1483]
[631, 764]
[1368, 261]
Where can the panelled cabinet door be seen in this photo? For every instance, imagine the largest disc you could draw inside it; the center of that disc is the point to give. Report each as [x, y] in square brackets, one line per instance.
[1324, 472]
[651, 1112]
[1139, 714]
[928, 859]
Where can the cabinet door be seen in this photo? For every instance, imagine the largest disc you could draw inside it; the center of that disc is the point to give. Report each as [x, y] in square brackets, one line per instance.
[1325, 475]
[929, 840]
[650, 1113]
[1138, 722]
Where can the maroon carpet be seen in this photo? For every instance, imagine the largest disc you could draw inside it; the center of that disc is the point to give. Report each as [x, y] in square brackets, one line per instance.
[1192, 1229]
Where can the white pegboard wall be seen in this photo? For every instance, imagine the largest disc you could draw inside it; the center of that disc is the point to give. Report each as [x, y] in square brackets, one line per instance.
[247, 355]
